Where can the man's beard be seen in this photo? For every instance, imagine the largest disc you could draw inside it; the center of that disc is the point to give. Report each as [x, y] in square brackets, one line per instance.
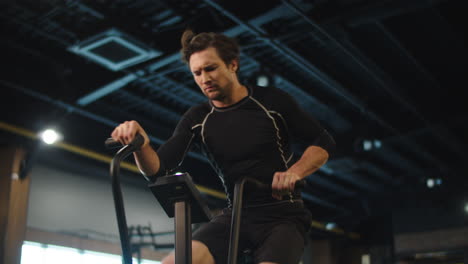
[217, 95]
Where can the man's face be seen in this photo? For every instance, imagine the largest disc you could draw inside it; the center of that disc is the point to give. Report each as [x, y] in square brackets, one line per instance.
[212, 75]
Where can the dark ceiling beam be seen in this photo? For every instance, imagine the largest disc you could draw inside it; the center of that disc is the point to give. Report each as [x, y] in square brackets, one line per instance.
[124, 80]
[417, 133]
[35, 30]
[312, 105]
[184, 91]
[392, 157]
[370, 70]
[375, 171]
[164, 72]
[248, 64]
[348, 165]
[349, 177]
[272, 14]
[379, 11]
[443, 136]
[323, 182]
[106, 89]
[323, 203]
[85, 9]
[133, 101]
[162, 62]
[412, 147]
[396, 43]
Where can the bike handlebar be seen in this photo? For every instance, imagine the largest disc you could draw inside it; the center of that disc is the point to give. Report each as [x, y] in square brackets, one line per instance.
[136, 143]
[264, 186]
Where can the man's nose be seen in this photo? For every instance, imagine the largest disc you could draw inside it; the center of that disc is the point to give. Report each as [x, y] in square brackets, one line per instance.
[205, 77]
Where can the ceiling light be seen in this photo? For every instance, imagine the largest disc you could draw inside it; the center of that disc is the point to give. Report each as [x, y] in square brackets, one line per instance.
[50, 136]
[114, 50]
[466, 208]
[330, 226]
[367, 145]
[377, 143]
[262, 80]
[430, 183]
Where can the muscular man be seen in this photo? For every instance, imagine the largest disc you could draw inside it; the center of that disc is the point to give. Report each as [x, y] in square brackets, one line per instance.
[244, 132]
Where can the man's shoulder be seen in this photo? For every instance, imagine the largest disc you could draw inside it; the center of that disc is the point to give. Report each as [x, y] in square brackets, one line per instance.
[198, 111]
[200, 108]
[269, 94]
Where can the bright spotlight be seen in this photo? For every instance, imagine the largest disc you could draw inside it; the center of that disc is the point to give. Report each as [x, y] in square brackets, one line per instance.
[262, 81]
[50, 136]
[466, 208]
[330, 226]
[367, 145]
[377, 143]
[430, 183]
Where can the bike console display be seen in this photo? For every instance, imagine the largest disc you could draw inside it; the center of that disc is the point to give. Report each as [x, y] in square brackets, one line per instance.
[175, 188]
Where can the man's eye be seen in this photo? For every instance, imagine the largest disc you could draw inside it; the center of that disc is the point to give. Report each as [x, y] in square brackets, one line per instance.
[208, 69]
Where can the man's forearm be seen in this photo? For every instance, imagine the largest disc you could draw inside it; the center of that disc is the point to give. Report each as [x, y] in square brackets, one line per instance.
[311, 160]
[147, 161]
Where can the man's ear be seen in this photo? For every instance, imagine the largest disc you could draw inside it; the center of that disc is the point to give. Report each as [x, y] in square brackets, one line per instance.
[234, 65]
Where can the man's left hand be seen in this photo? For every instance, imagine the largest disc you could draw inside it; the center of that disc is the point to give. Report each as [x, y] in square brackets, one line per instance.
[283, 183]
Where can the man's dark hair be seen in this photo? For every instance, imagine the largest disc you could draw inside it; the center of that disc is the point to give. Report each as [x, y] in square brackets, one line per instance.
[227, 48]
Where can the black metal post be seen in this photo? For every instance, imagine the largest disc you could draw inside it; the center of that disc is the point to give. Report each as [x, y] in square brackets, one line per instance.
[117, 192]
[183, 232]
[236, 221]
[119, 206]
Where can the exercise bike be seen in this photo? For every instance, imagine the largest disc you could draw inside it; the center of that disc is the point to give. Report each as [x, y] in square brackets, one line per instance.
[181, 200]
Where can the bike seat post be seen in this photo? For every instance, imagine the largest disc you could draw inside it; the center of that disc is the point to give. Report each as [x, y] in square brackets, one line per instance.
[180, 199]
[183, 230]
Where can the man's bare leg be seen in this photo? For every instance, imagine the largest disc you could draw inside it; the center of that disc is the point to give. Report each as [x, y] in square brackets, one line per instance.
[200, 255]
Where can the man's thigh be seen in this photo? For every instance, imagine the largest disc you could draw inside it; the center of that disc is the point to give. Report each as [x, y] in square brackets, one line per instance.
[200, 255]
[283, 243]
[215, 235]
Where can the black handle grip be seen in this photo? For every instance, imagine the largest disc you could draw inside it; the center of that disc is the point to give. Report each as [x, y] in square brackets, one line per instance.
[300, 184]
[137, 142]
[110, 143]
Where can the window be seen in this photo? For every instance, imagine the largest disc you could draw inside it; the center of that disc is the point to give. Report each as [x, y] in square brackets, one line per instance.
[37, 253]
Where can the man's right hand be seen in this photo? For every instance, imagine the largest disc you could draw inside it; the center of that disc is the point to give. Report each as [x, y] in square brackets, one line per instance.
[125, 133]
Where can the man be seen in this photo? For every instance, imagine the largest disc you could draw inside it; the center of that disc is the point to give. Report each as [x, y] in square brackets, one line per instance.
[244, 132]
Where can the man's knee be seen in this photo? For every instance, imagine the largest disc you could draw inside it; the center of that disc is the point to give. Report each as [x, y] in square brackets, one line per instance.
[169, 259]
[200, 255]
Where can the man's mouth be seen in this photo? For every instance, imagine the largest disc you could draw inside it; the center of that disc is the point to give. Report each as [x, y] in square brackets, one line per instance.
[210, 89]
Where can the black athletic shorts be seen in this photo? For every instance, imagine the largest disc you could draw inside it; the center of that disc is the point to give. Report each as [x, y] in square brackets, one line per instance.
[274, 233]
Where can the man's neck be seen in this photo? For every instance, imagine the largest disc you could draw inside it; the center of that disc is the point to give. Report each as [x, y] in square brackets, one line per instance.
[239, 92]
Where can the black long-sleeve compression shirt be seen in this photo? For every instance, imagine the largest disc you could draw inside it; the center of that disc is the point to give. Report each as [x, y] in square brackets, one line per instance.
[251, 138]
